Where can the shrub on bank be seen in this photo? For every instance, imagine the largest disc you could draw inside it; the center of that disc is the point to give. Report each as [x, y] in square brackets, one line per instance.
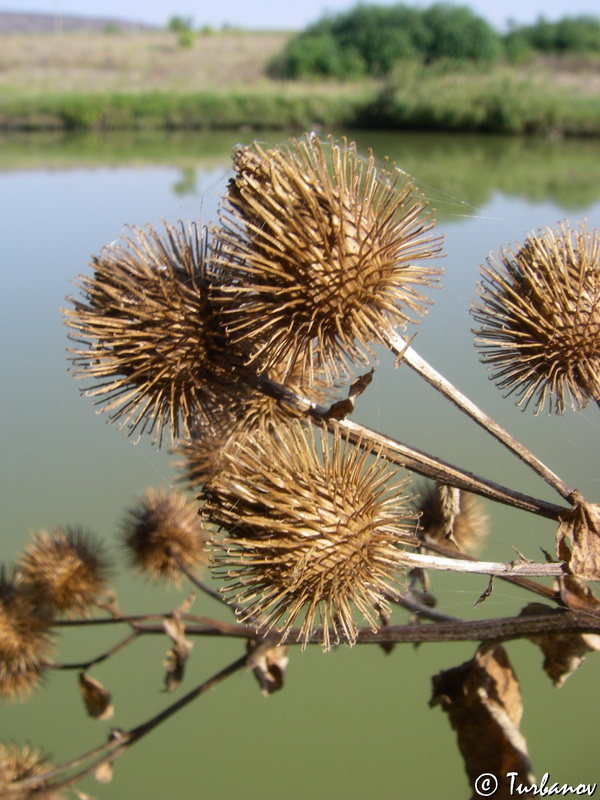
[370, 40]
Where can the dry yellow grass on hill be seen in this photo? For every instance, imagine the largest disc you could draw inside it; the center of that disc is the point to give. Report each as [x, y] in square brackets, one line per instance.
[142, 62]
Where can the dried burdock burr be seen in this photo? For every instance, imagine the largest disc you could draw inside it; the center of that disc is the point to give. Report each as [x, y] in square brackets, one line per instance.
[318, 248]
[539, 316]
[162, 532]
[146, 334]
[24, 640]
[315, 530]
[64, 571]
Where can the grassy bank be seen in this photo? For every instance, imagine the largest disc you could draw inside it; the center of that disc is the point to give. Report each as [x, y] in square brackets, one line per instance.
[148, 82]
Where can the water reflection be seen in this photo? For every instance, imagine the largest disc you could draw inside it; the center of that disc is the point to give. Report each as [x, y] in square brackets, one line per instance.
[348, 723]
[457, 167]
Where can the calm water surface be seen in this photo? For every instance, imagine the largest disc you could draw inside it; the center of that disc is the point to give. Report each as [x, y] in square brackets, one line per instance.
[350, 724]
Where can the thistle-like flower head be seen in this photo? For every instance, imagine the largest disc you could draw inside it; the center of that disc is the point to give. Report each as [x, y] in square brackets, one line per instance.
[24, 641]
[540, 318]
[452, 518]
[161, 533]
[18, 763]
[146, 331]
[315, 529]
[64, 572]
[317, 248]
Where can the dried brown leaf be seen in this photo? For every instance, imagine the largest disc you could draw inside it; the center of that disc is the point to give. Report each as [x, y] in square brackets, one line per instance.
[564, 653]
[177, 656]
[483, 701]
[580, 528]
[269, 666]
[104, 772]
[576, 594]
[487, 592]
[96, 698]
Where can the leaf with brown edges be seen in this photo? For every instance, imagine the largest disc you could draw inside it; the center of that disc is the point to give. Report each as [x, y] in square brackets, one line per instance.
[580, 528]
[96, 698]
[269, 666]
[483, 701]
[563, 653]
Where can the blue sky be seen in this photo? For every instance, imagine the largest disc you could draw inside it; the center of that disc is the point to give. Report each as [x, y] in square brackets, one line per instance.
[279, 14]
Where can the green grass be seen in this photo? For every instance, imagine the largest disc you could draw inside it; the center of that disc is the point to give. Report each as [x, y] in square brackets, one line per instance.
[147, 82]
[505, 100]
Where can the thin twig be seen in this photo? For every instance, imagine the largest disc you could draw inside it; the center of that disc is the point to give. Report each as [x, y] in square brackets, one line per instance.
[516, 580]
[84, 665]
[122, 740]
[411, 458]
[523, 568]
[556, 621]
[409, 356]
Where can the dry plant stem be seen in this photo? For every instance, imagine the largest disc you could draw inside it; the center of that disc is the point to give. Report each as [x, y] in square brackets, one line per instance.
[207, 589]
[516, 580]
[83, 665]
[413, 459]
[118, 744]
[409, 356]
[555, 621]
[408, 602]
[444, 564]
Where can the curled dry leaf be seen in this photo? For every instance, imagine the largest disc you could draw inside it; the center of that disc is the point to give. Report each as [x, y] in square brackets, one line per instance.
[483, 701]
[96, 698]
[269, 666]
[580, 528]
[104, 772]
[177, 656]
[563, 653]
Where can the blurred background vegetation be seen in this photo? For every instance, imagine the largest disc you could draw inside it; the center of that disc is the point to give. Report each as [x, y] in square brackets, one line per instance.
[377, 67]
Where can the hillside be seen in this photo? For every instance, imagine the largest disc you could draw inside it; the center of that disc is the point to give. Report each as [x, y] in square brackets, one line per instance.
[13, 22]
[34, 64]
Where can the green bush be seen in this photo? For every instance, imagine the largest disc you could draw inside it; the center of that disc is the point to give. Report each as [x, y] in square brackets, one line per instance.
[570, 35]
[370, 40]
[320, 55]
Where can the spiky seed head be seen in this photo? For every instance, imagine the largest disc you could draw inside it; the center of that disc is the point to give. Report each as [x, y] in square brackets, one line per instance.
[18, 763]
[319, 246]
[163, 531]
[540, 318]
[64, 571]
[315, 530]
[24, 640]
[468, 526]
[248, 410]
[145, 331]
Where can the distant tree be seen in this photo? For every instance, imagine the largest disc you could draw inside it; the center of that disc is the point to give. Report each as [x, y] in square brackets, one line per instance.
[576, 35]
[178, 24]
[183, 27]
[370, 40]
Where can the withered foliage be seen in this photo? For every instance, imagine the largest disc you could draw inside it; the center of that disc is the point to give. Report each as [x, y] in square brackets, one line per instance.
[96, 698]
[483, 701]
[578, 538]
